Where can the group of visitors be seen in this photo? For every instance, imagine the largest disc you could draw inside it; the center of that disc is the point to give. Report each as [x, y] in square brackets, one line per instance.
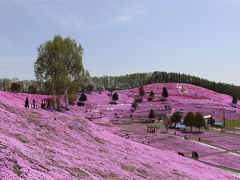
[45, 104]
[33, 105]
[194, 155]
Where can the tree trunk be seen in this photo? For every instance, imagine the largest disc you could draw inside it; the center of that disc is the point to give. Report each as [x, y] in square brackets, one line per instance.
[54, 92]
[66, 99]
[54, 100]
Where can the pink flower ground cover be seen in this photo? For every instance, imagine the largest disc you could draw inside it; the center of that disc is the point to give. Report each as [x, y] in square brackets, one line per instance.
[226, 160]
[173, 144]
[224, 142]
[182, 96]
[41, 144]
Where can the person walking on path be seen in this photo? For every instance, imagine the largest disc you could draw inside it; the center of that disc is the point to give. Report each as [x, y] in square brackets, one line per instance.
[34, 103]
[26, 103]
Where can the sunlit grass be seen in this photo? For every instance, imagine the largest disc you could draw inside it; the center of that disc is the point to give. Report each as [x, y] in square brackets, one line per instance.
[230, 124]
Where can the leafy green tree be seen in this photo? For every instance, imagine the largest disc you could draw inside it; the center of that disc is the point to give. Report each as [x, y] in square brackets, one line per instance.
[115, 97]
[151, 114]
[176, 117]
[59, 62]
[189, 120]
[199, 121]
[141, 91]
[165, 92]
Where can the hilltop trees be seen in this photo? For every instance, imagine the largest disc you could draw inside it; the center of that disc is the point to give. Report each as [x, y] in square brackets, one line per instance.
[59, 62]
[189, 120]
[134, 80]
[176, 117]
[199, 120]
[140, 79]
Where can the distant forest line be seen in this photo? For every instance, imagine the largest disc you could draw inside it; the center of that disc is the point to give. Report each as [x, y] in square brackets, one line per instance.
[140, 79]
[122, 82]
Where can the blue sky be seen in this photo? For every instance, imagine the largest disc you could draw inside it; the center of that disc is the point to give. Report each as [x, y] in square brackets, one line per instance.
[197, 37]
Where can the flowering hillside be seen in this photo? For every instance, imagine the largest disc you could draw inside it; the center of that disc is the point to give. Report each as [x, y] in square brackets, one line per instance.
[43, 144]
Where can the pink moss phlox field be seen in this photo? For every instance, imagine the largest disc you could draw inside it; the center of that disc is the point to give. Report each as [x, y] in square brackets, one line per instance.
[230, 161]
[224, 142]
[45, 145]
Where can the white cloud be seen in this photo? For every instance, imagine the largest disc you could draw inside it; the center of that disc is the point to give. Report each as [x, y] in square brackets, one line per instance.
[130, 14]
[123, 19]
[65, 13]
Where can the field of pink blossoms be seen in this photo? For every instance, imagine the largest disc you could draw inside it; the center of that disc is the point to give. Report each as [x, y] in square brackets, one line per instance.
[42, 144]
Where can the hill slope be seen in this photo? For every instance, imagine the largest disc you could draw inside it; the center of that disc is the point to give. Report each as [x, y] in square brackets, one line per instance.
[40, 144]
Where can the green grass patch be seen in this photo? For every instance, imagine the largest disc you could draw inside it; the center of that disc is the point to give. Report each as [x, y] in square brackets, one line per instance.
[230, 124]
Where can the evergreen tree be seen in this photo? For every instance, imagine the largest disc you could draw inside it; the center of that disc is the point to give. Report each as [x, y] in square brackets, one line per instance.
[176, 117]
[165, 92]
[234, 100]
[189, 120]
[199, 120]
[115, 97]
[82, 99]
[151, 114]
